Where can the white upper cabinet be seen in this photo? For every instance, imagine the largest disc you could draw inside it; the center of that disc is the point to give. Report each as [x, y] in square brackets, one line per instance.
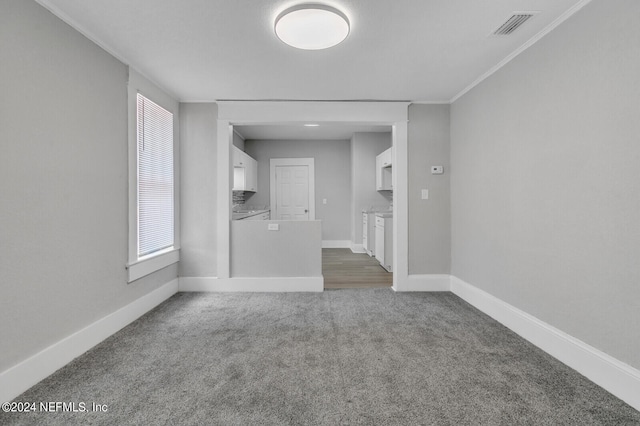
[245, 171]
[237, 155]
[384, 163]
[251, 175]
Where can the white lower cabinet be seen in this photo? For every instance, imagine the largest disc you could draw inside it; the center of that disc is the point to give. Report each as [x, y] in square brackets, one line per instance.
[384, 241]
[368, 233]
[365, 231]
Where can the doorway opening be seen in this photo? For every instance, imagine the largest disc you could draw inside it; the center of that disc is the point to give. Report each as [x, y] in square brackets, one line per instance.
[339, 174]
[295, 114]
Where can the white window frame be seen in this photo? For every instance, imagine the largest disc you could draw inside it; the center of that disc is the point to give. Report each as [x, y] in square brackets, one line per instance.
[139, 267]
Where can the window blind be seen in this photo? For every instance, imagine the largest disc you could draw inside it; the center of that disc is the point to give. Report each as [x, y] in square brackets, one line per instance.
[155, 177]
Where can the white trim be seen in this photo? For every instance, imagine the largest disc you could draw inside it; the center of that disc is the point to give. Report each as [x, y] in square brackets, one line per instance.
[273, 164]
[290, 112]
[224, 179]
[427, 282]
[251, 284]
[358, 248]
[279, 112]
[618, 378]
[152, 264]
[445, 102]
[27, 373]
[336, 244]
[546, 30]
[400, 176]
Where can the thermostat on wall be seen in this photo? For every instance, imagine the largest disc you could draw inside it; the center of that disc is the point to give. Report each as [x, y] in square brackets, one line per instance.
[437, 170]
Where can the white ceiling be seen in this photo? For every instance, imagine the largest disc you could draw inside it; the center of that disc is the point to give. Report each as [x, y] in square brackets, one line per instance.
[412, 50]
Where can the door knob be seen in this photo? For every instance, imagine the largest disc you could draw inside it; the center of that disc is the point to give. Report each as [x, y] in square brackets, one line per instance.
[306, 211]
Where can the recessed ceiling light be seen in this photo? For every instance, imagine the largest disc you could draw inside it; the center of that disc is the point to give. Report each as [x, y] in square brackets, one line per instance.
[311, 125]
[312, 26]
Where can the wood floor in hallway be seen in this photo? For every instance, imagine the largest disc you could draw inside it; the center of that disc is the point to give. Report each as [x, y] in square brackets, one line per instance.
[342, 268]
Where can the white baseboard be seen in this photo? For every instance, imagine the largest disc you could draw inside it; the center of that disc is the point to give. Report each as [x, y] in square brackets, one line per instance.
[336, 243]
[258, 284]
[426, 282]
[24, 375]
[618, 378]
[357, 248]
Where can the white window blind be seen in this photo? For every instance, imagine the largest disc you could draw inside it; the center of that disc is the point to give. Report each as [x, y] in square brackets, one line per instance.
[155, 177]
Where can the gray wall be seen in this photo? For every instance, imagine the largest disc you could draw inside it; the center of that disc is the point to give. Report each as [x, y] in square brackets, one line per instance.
[198, 206]
[546, 180]
[364, 149]
[63, 183]
[332, 178]
[429, 220]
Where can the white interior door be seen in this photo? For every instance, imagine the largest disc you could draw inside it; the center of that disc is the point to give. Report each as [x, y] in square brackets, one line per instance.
[292, 189]
[292, 193]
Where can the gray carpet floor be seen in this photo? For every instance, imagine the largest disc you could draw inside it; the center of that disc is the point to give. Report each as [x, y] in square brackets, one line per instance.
[342, 357]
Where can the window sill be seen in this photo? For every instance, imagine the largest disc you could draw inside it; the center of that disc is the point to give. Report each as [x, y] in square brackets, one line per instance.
[152, 264]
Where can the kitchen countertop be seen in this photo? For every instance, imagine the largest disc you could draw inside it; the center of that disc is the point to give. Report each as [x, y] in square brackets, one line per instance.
[243, 214]
[377, 209]
[384, 214]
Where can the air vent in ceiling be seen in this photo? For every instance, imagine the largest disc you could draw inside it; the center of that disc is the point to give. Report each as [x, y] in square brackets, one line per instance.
[513, 23]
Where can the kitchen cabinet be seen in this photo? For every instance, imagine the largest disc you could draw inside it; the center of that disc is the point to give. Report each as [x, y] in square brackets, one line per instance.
[245, 171]
[384, 240]
[251, 175]
[365, 232]
[238, 156]
[368, 232]
[384, 164]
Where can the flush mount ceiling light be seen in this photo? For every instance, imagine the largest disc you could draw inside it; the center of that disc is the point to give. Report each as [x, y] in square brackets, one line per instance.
[312, 26]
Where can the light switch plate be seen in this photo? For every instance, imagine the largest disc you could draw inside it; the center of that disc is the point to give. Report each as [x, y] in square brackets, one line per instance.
[273, 227]
[425, 194]
[437, 170]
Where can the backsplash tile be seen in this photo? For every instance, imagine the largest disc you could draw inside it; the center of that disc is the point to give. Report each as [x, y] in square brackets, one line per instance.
[238, 197]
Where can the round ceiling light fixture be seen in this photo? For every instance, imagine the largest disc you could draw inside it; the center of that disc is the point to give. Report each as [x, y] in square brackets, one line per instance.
[312, 26]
